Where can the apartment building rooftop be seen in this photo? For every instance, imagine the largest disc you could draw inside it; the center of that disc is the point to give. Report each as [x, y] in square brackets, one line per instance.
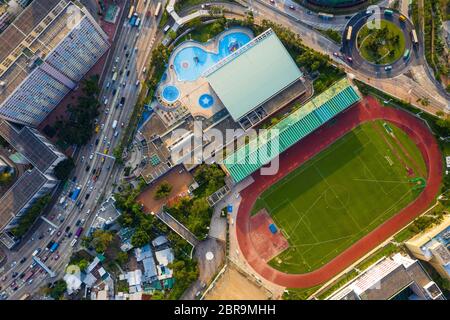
[389, 278]
[25, 141]
[20, 194]
[30, 38]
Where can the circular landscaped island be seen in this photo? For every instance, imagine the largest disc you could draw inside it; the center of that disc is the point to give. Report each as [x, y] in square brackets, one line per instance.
[383, 45]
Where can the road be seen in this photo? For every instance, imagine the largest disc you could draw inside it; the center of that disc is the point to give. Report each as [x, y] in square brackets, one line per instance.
[130, 71]
[410, 88]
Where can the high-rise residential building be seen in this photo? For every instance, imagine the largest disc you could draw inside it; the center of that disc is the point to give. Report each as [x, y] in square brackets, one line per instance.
[41, 158]
[45, 51]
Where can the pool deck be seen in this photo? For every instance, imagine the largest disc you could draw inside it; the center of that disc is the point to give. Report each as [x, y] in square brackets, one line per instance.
[190, 91]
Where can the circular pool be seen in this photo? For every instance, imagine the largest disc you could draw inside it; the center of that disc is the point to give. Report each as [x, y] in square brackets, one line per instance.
[206, 101]
[170, 93]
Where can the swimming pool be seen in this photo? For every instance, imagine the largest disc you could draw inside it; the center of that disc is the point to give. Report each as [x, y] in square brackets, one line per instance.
[190, 62]
[206, 101]
[170, 93]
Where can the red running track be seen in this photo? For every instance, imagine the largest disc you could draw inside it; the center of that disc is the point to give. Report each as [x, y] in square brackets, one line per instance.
[367, 110]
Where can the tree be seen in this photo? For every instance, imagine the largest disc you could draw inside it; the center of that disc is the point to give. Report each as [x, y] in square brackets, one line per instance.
[64, 168]
[101, 239]
[163, 190]
[5, 178]
[56, 290]
[140, 238]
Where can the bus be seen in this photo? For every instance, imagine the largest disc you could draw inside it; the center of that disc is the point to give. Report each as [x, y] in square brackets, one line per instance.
[414, 37]
[54, 247]
[349, 33]
[407, 54]
[325, 16]
[402, 18]
[78, 233]
[388, 12]
[114, 77]
[131, 12]
[158, 9]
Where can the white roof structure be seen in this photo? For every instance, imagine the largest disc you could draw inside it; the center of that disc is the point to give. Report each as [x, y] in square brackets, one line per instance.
[164, 257]
[73, 282]
[159, 241]
[149, 269]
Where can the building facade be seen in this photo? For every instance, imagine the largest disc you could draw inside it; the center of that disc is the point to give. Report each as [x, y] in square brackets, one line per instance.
[433, 246]
[34, 183]
[51, 45]
[391, 278]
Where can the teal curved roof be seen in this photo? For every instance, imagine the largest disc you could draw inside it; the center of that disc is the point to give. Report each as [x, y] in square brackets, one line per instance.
[290, 130]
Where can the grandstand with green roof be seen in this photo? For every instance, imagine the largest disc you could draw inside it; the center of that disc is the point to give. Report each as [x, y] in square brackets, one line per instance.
[261, 150]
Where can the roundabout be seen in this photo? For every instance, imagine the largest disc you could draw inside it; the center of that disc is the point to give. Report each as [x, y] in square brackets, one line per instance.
[380, 44]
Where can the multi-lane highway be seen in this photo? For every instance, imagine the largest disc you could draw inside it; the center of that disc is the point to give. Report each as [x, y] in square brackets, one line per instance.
[131, 52]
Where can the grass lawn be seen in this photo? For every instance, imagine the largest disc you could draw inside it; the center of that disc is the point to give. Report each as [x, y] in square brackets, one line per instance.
[340, 195]
[381, 46]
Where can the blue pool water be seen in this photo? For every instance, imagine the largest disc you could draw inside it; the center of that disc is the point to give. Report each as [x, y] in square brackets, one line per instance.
[206, 101]
[170, 93]
[191, 62]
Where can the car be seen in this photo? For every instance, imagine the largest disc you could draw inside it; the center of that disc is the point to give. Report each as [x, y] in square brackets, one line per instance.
[88, 168]
[125, 47]
[87, 196]
[52, 217]
[57, 256]
[388, 68]
[128, 73]
[82, 159]
[114, 92]
[15, 274]
[124, 84]
[4, 278]
[67, 229]
[41, 236]
[127, 54]
[78, 223]
[292, 7]
[272, 1]
[122, 124]
[137, 83]
[69, 235]
[335, 54]
[116, 133]
[96, 142]
[350, 59]
[83, 221]
[108, 85]
[22, 275]
[23, 260]
[117, 59]
[58, 233]
[91, 156]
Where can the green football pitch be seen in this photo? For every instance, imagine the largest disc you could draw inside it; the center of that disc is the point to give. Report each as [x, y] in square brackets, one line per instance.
[341, 194]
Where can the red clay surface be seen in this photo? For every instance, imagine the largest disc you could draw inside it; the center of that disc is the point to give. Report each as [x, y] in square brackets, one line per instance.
[367, 110]
[267, 244]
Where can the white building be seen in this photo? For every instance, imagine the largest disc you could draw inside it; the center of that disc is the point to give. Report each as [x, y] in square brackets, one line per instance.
[396, 278]
[47, 49]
